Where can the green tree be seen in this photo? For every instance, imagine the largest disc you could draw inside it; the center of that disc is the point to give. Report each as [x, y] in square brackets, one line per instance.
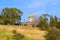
[10, 15]
[43, 21]
[56, 21]
[40, 22]
[58, 24]
[53, 21]
[1, 20]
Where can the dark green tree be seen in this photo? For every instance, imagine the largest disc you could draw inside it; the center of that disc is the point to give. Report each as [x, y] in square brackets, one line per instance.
[1, 20]
[11, 15]
[53, 21]
[58, 24]
[43, 21]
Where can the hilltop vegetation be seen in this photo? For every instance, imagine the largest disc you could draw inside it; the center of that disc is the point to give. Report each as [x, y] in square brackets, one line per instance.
[10, 17]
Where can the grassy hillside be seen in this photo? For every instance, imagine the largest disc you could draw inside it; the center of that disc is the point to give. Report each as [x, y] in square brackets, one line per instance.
[29, 32]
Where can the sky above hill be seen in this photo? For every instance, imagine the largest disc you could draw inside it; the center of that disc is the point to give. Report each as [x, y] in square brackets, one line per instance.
[37, 7]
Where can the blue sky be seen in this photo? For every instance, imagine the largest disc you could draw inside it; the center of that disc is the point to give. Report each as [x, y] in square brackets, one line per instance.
[37, 7]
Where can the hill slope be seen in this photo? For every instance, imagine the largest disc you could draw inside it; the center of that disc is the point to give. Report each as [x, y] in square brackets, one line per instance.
[28, 32]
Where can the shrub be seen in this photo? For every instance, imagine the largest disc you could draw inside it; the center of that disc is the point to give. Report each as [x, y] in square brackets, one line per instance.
[17, 36]
[33, 25]
[53, 34]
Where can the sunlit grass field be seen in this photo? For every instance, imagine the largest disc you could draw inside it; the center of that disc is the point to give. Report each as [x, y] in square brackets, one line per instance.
[29, 32]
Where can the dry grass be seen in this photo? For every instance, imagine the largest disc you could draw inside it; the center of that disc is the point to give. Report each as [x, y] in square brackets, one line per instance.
[29, 32]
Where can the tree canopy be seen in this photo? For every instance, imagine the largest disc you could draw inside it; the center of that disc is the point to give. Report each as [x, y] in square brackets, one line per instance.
[45, 21]
[10, 15]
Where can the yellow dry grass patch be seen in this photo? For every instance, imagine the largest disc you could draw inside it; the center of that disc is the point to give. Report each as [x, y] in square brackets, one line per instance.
[29, 32]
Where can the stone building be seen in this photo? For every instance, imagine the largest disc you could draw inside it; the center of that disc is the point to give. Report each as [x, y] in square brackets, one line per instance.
[31, 19]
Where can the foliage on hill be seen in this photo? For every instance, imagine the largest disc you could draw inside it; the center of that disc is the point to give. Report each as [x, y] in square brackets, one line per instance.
[45, 21]
[10, 15]
[17, 36]
[53, 34]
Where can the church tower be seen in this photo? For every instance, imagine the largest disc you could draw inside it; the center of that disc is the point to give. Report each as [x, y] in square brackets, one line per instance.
[31, 19]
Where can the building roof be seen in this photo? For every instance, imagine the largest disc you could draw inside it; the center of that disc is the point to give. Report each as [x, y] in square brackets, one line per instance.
[31, 15]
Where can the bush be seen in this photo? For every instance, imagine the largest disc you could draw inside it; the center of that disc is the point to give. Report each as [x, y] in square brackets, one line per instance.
[33, 25]
[53, 34]
[17, 36]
